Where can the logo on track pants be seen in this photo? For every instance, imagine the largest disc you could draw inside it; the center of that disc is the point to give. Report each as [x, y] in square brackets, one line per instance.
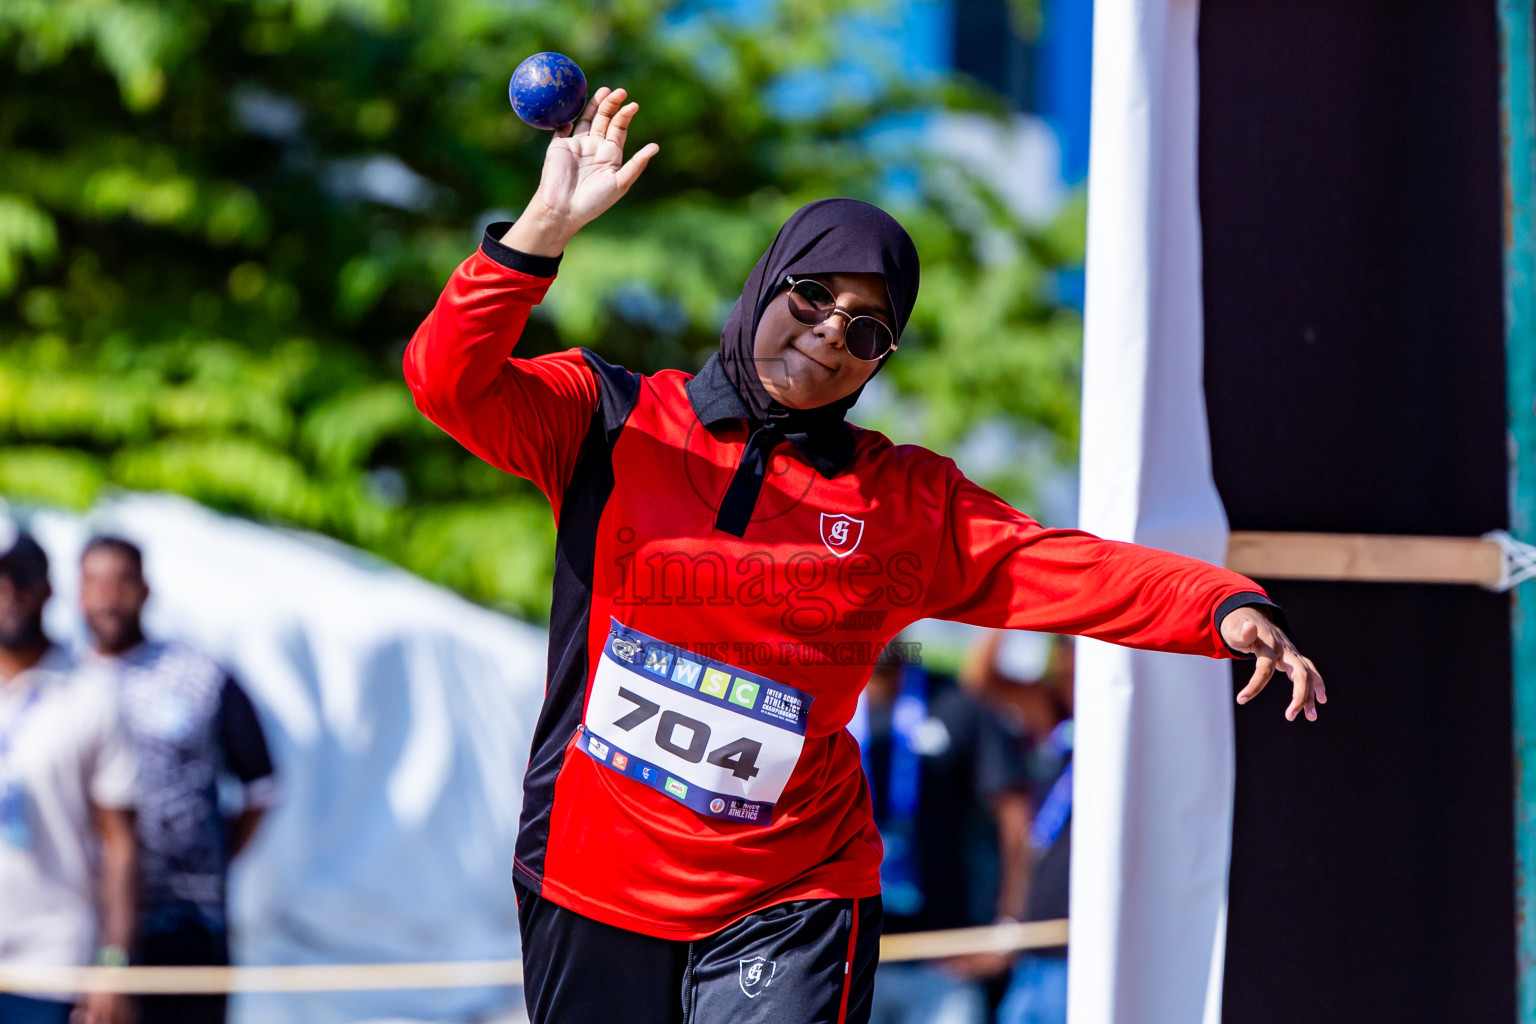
[756, 973]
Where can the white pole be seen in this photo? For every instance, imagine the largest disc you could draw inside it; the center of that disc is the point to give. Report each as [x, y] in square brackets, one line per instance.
[1153, 801]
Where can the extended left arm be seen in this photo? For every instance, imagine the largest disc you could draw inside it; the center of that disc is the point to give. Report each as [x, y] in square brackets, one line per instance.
[997, 567]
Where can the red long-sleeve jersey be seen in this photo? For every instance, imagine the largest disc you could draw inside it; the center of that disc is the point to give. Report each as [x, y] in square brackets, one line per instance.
[691, 764]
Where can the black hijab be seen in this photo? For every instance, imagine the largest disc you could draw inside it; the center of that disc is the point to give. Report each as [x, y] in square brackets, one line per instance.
[829, 236]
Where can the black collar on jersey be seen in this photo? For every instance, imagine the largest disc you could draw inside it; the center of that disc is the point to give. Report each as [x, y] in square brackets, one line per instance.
[715, 401]
[830, 236]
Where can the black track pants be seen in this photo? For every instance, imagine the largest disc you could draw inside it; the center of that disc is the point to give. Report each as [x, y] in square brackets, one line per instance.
[807, 962]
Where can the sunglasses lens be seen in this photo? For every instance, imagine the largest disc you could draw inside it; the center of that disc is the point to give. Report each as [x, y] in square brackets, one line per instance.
[816, 293]
[810, 302]
[868, 338]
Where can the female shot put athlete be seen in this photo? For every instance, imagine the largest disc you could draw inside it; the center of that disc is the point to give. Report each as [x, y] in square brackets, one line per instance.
[696, 841]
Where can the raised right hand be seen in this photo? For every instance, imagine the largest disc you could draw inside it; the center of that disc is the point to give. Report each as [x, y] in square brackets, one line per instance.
[584, 174]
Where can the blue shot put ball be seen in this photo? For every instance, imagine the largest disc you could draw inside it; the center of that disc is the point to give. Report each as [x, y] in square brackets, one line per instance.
[548, 90]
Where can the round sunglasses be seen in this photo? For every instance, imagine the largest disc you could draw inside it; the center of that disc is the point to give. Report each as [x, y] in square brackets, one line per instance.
[812, 303]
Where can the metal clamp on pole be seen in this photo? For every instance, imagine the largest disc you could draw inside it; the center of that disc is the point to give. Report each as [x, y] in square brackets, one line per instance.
[1519, 561]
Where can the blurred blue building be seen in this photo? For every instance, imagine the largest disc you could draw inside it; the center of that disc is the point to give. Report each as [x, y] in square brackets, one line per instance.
[1047, 74]
[1039, 62]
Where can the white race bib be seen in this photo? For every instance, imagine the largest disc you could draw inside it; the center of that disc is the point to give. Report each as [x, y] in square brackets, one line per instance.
[720, 739]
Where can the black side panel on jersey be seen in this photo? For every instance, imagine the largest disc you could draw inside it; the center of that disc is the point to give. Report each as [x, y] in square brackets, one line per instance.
[570, 612]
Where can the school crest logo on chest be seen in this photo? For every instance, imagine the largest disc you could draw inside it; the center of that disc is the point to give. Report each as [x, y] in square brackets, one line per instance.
[841, 534]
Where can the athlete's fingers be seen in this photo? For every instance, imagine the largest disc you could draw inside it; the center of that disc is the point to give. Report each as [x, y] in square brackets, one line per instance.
[605, 111]
[1301, 688]
[1298, 702]
[1318, 688]
[584, 122]
[618, 129]
[1263, 669]
[630, 172]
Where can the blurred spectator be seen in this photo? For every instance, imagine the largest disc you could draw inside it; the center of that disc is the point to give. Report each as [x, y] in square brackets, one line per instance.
[1029, 678]
[190, 723]
[949, 800]
[66, 793]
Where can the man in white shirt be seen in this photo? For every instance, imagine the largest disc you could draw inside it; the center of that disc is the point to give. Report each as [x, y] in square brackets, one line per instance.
[67, 774]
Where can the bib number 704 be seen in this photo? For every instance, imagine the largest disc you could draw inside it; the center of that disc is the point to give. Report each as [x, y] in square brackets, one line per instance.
[739, 757]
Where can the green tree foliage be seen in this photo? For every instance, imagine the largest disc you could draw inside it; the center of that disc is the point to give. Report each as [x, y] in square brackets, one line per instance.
[221, 220]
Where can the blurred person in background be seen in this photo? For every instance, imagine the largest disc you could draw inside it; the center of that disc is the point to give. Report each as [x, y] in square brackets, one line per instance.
[1028, 677]
[66, 796]
[191, 724]
[949, 791]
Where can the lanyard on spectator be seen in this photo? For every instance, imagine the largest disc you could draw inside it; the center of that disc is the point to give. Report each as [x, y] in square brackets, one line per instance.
[1056, 808]
[13, 729]
[15, 824]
